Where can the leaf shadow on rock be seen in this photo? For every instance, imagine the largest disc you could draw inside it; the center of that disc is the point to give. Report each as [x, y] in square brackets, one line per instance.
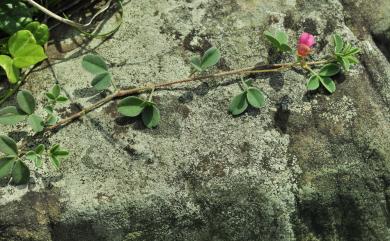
[135, 122]
[85, 92]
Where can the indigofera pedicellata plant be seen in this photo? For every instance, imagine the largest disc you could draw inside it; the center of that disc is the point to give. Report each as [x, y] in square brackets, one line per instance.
[12, 163]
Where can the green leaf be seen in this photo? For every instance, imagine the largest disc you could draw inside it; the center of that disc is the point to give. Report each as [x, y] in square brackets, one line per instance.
[196, 63]
[50, 96]
[353, 51]
[20, 173]
[338, 43]
[20, 40]
[49, 109]
[345, 63]
[26, 101]
[40, 32]
[352, 59]
[54, 148]
[249, 82]
[329, 70]
[329, 84]
[40, 149]
[255, 97]
[94, 64]
[6, 164]
[33, 156]
[131, 106]
[55, 161]
[36, 123]
[55, 91]
[11, 115]
[13, 73]
[281, 37]
[151, 116]
[13, 15]
[52, 120]
[272, 39]
[285, 48]
[8, 146]
[238, 104]
[30, 55]
[62, 99]
[314, 82]
[210, 58]
[102, 81]
[61, 153]
[347, 48]
[23, 48]
[56, 153]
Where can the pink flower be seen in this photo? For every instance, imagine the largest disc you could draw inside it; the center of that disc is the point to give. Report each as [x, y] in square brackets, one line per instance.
[306, 41]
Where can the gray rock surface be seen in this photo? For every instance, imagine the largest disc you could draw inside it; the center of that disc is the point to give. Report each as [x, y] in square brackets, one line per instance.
[306, 167]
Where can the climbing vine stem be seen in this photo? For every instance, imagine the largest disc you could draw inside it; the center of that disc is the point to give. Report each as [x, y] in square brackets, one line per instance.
[126, 92]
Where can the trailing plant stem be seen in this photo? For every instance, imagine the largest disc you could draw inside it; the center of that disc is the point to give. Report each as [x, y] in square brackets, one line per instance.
[138, 90]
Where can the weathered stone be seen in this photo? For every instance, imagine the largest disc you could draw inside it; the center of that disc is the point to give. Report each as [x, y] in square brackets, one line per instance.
[308, 166]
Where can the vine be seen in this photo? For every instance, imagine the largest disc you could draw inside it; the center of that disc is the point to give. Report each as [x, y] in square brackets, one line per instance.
[320, 74]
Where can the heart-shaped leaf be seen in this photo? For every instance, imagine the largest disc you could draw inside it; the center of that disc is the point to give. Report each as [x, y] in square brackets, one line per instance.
[329, 84]
[6, 164]
[94, 64]
[19, 40]
[238, 104]
[26, 101]
[131, 106]
[329, 70]
[255, 97]
[40, 32]
[23, 48]
[31, 54]
[210, 58]
[151, 116]
[313, 83]
[11, 115]
[36, 123]
[102, 81]
[8, 146]
[13, 73]
[20, 173]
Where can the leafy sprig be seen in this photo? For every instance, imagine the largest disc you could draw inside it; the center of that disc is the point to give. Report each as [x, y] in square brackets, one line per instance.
[24, 52]
[345, 52]
[250, 95]
[96, 66]
[13, 161]
[133, 106]
[323, 77]
[210, 58]
[26, 107]
[345, 55]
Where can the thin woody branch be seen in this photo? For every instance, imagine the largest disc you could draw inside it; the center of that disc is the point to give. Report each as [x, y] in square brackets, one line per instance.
[138, 90]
